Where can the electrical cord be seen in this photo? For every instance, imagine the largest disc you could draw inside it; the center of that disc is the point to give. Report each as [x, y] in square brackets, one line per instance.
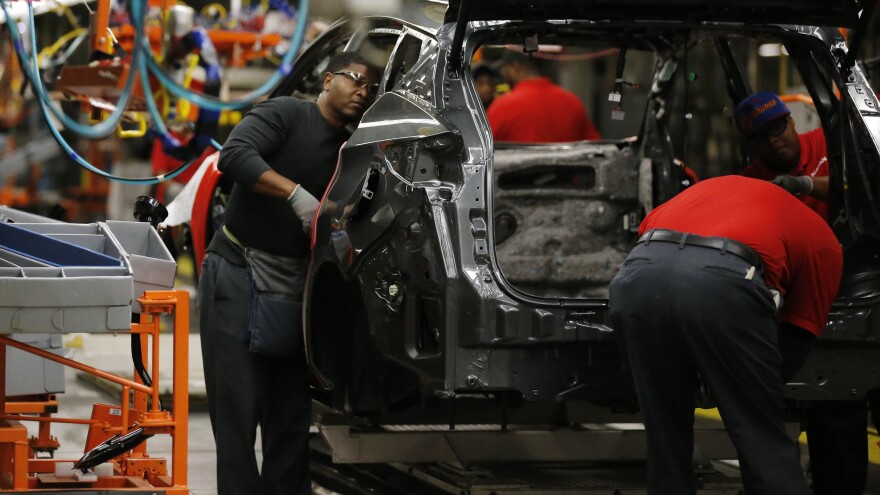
[616, 95]
[78, 34]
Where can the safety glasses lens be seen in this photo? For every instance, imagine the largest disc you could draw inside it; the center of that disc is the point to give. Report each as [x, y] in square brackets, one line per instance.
[359, 80]
[773, 129]
[777, 128]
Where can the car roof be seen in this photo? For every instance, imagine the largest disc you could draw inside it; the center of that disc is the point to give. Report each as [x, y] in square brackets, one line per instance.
[837, 13]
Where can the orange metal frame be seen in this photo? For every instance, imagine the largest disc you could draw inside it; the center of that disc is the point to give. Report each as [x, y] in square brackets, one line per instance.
[42, 405]
[797, 98]
[134, 469]
[242, 45]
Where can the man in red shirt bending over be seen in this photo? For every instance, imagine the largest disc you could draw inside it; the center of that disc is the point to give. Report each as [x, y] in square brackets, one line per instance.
[721, 273]
[796, 162]
[835, 429]
[536, 110]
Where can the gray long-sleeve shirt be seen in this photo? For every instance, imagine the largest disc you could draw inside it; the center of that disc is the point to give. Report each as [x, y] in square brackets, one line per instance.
[291, 137]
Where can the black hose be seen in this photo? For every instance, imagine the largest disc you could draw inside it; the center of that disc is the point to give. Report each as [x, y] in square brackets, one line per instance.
[137, 359]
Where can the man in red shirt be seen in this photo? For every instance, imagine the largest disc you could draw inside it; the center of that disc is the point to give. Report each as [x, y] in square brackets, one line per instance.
[536, 110]
[796, 162]
[835, 429]
[721, 270]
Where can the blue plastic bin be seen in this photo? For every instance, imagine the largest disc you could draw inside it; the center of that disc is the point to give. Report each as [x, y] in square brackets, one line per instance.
[50, 251]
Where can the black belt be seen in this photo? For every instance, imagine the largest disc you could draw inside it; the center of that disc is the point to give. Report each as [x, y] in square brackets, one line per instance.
[720, 243]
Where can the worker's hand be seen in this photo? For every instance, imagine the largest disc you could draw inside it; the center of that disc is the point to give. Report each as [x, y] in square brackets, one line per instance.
[794, 185]
[304, 205]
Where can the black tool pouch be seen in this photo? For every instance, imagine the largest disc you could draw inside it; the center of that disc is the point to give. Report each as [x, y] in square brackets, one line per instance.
[275, 313]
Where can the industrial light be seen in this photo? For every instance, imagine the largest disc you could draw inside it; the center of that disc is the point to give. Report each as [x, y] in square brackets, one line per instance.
[550, 48]
[772, 50]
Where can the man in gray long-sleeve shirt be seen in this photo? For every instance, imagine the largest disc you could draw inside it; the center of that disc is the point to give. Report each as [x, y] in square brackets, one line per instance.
[281, 156]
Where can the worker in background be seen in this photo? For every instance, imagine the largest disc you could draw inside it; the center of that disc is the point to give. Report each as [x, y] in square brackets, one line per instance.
[281, 156]
[796, 162]
[485, 80]
[836, 430]
[721, 273]
[536, 110]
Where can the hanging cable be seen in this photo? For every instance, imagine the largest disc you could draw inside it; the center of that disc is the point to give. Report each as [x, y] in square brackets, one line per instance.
[72, 47]
[42, 98]
[206, 123]
[616, 95]
[143, 65]
[32, 72]
[213, 103]
[207, 120]
[49, 51]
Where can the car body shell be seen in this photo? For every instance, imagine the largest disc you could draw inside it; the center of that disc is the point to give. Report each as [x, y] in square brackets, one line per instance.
[418, 291]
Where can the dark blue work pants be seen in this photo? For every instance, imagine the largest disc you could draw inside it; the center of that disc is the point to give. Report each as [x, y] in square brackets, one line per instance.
[247, 389]
[684, 310]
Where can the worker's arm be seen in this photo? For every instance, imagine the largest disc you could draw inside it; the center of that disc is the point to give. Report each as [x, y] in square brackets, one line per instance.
[301, 201]
[816, 187]
[271, 183]
[795, 345]
[262, 132]
[820, 188]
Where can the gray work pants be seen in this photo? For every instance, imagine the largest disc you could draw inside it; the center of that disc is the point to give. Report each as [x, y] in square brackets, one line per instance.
[684, 310]
[247, 389]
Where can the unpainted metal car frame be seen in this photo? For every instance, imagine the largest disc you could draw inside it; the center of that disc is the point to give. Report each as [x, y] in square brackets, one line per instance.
[409, 306]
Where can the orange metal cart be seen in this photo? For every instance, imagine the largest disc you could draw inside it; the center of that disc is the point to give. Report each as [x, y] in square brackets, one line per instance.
[134, 470]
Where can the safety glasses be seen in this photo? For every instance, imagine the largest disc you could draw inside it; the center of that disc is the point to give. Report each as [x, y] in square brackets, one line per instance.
[359, 80]
[773, 129]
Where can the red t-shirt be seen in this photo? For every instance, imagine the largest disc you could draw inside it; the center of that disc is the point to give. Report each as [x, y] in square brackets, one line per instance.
[802, 257]
[538, 111]
[813, 162]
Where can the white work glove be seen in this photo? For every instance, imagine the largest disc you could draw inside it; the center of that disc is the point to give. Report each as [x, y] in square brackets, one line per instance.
[794, 185]
[304, 205]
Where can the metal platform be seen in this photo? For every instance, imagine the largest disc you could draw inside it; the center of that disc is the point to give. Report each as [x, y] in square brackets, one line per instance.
[486, 459]
[599, 478]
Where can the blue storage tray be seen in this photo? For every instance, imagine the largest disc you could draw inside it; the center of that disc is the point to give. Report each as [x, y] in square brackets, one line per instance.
[49, 251]
[60, 277]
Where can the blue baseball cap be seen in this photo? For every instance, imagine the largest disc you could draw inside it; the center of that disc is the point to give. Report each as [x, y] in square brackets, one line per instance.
[758, 110]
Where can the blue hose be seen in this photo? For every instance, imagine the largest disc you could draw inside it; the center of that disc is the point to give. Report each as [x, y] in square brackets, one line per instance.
[100, 130]
[211, 103]
[45, 106]
[144, 65]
